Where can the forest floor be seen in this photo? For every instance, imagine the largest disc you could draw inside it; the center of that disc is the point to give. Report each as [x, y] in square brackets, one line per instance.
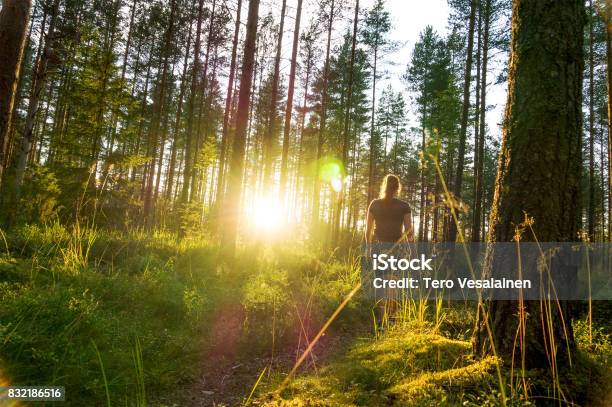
[147, 320]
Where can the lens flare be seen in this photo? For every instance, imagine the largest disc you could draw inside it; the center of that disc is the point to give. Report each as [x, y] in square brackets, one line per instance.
[267, 214]
[336, 184]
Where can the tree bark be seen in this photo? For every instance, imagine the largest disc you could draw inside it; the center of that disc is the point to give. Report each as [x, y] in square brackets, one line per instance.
[38, 82]
[232, 207]
[539, 172]
[457, 185]
[478, 187]
[609, 81]
[591, 208]
[14, 18]
[289, 107]
[177, 119]
[321, 136]
[268, 151]
[227, 111]
[158, 112]
[347, 120]
[187, 169]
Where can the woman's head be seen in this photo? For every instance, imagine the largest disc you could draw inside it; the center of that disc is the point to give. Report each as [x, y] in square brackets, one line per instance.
[390, 187]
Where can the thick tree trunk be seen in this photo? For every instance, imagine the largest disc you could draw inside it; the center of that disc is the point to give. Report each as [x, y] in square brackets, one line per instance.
[14, 18]
[232, 207]
[227, 111]
[458, 184]
[289, 107]
[539, 172]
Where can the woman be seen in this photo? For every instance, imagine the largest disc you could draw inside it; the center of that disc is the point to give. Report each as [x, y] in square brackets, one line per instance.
[389, 220]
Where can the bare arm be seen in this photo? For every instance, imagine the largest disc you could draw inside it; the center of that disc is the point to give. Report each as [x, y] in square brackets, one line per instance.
[408, 234]
[369, 232]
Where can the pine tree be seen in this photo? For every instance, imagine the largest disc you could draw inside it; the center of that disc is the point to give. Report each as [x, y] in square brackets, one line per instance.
[14, 18]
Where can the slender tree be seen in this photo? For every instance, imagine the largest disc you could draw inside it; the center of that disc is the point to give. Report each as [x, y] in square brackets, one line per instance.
[378, 24]
[591, 207]
[347, 120]
[39, 78]
[458, 182]
[289, 106]
[316, 198]
[478, 185]
[270, 134]
[227, 111]
[189, 137]
[14, 18]
[158, 113]
[608, 14]
[232, 206]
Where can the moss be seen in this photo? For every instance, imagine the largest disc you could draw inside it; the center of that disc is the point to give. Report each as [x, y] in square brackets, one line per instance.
[403, 367]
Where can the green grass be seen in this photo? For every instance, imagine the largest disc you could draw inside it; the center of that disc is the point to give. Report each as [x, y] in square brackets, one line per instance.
[414, 364]
[407, 366]
[123, 318]
[74, 318]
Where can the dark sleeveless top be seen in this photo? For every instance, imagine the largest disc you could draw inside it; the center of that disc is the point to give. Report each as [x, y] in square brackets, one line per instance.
[388, 218]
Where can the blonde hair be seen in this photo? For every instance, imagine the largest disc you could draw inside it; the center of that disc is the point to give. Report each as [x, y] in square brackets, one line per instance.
[390, 187]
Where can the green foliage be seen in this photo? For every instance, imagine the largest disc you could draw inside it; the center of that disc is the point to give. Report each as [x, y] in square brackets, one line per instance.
[38, 198]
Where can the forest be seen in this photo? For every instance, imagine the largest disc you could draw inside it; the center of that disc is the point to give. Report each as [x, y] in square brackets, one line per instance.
[184, 187]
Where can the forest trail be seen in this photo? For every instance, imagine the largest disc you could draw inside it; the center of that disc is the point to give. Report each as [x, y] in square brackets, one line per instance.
[227, 374]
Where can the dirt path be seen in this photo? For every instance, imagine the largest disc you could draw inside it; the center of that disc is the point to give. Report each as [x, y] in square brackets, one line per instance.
[226, 378]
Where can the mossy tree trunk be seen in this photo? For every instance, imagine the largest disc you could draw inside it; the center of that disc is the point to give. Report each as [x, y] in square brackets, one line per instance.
[539, 170]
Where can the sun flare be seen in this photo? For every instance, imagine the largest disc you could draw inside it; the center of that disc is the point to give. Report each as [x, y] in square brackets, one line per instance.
[267, 215]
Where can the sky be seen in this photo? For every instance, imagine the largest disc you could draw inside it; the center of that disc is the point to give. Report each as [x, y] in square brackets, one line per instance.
[409, 18]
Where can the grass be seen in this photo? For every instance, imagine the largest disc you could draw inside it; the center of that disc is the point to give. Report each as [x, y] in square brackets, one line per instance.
[415, 364]
[124, 318]
[411, 365]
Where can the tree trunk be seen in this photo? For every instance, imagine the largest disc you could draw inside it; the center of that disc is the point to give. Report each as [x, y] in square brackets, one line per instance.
[347, 120]
[539, 172]
[227, 111]
[457, 185]
[14, 19]
[39, 78]
[289, 107]
[372, 165]
[591, 209]
[177, 118]
[321, 136]
[192, 102]
[300, 188]
[196, 171]
[268, 151]
[232, 207]
[609, 81]
[478, 187]
[158, 112]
